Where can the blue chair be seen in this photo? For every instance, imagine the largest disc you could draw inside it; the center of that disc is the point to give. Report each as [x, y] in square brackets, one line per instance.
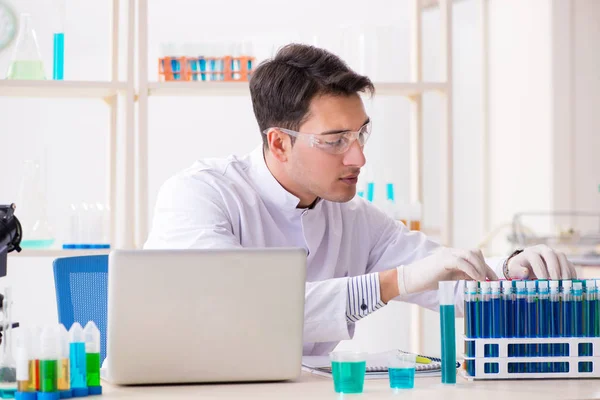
[82, 292]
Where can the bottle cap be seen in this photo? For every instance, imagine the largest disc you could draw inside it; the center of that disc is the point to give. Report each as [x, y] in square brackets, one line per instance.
[92, 338]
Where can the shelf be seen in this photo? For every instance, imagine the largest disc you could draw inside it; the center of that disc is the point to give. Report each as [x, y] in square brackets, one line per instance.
[53, 89]
[198, 89]
[408, 88]
[54, 253]
[242, 89]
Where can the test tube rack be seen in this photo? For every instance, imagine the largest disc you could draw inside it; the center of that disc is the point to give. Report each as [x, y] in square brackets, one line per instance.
[528, 367]
[198, 69]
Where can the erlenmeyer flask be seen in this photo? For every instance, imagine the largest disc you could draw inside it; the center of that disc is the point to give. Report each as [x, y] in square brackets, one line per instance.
[37, 232]
[26, 61]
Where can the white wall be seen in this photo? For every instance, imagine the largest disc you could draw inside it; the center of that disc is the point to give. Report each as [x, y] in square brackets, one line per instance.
[586, 118]
[520, 109]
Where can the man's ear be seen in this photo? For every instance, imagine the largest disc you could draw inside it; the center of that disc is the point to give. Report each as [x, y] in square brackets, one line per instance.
[280, 145]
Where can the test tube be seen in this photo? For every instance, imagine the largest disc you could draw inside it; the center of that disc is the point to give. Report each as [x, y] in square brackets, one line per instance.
[567, 319]
[59, 44]
[597, 319]
[50, 353]
[555, 319]
[486, 319]
[507, 310]
[92, 355]
[448, 331]
[26, 378]
[521, 321]
[531, 326]
[544, 320]
[589, 317]
[472, 322]
[64, 375]
[77, 358]
[577, 309]
[496, 320]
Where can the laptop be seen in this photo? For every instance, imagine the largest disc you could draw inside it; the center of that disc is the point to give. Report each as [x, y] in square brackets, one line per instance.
[190, 316]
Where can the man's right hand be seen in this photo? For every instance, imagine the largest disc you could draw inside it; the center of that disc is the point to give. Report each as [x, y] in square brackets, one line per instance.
[446, 264]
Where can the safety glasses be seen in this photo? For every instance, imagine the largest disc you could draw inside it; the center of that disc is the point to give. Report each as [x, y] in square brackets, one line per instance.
[334, 143]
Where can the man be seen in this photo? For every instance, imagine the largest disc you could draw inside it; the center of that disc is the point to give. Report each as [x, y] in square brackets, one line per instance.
[298, 189]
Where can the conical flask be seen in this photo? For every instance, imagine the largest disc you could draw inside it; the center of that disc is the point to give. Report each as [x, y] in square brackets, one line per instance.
[37, 232]
[8, 371]
[26, 61]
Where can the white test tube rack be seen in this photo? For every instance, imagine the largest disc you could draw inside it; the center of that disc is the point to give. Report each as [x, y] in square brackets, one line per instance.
[503, 360]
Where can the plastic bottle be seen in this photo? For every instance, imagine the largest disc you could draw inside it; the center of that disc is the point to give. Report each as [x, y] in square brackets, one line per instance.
[26, 370]
[49, 355]
[92, 356]
[64, 374]
[77, 358]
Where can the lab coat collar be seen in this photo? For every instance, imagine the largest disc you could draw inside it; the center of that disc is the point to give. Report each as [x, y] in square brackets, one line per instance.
[269, 188]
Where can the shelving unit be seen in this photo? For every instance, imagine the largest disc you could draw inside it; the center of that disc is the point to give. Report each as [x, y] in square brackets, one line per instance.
[120, 98]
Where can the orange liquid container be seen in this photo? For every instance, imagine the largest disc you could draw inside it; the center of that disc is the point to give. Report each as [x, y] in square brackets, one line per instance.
[415, 225]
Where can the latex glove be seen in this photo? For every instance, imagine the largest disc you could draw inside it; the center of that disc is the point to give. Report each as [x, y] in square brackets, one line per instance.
[446, 264]
[540, 262]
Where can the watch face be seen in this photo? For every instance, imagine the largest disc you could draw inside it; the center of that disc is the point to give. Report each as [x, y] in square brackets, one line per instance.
[8, 25]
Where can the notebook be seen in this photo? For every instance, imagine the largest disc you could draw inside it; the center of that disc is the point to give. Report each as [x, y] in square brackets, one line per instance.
[376, 366]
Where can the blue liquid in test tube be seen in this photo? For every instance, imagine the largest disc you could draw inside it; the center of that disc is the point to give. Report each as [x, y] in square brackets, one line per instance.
[589, 318]
[448, 331]
[544, 321]
[555, 319]
[472, 322]
[59, 57]
[577, 314]
[508, 315]
[567, 319]
[531, 325]
[521, 321]
[496, 320]
[486, 318]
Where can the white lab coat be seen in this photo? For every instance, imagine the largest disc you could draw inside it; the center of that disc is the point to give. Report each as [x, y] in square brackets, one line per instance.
[236, 202]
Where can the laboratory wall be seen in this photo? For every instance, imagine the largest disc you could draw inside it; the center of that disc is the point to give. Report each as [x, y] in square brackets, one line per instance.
[585, 173]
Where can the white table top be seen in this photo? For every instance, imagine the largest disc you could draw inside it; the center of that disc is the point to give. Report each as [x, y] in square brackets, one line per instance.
[314, 387]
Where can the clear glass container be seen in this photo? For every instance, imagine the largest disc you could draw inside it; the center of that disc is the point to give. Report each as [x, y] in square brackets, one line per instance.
[26, 62]
[31, 205]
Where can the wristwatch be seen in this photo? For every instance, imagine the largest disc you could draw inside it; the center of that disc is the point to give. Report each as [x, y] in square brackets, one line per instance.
[505, 266]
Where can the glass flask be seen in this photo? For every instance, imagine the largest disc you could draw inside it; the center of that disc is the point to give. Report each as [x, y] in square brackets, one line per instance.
[26, 62]
[37, 232]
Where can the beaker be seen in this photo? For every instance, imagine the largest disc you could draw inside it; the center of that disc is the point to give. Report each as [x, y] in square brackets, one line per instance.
[26, 62]
[8, 366]
[37, 232]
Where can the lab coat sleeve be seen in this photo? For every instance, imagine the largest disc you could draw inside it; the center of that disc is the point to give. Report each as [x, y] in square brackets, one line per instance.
[325, 311]
[190, 213]
[395, 245]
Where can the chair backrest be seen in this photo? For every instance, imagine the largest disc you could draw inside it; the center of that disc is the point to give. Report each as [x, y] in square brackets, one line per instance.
[82, 292]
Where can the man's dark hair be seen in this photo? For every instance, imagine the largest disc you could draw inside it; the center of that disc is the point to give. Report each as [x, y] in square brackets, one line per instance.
[283, 87]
